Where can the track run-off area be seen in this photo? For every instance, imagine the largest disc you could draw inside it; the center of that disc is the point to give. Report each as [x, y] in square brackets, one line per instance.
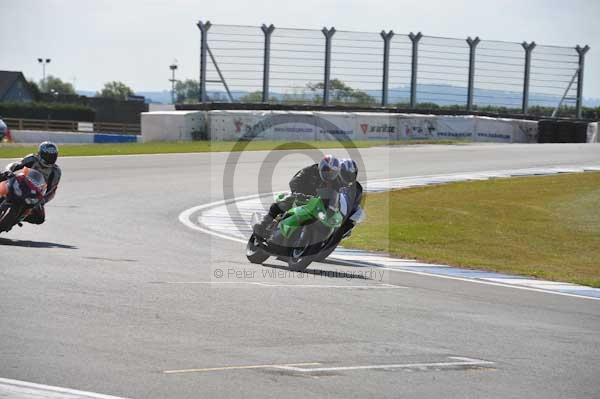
[115, 295]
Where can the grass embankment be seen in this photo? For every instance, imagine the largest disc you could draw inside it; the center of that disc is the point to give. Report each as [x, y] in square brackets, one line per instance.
[547, 226]
[15, 150]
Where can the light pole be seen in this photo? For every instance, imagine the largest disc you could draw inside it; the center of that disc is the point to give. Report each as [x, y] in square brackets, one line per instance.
[44, 61]
[173, 67]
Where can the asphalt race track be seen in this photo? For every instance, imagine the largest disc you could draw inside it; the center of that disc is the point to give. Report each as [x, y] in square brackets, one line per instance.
[114, 295]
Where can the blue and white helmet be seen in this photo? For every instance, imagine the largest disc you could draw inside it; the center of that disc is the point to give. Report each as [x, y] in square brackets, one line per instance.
[348, 171]
[329, 168]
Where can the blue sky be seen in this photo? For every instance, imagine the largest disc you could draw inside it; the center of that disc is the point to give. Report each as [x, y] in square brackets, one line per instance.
[94, 41]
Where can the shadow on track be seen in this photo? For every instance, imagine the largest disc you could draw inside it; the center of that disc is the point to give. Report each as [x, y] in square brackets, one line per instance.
[321, 273]
[33, 244]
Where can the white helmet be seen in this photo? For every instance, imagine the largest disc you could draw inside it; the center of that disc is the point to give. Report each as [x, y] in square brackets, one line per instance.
[329, 168]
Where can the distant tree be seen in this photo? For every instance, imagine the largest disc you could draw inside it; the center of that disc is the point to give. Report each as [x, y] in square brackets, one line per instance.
[187, 91]
[428, 105]
[55, 85]
[255, 97]
[116, 90]
[35, 89]
[217, 96]
[341, 93]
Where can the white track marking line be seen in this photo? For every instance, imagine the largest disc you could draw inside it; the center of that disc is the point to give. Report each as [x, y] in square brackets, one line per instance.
[37, 390]
[298, 367]
[277, 285]
[462, 361]
[477, 281]
[401, 182]
[247, 367]
[185, 216]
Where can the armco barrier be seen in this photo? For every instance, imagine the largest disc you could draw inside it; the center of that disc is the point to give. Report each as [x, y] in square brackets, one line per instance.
[115, 138]
[35, 136]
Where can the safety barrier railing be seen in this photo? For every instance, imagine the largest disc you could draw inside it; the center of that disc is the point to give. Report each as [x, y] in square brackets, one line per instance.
[272, 64]
[72, 126]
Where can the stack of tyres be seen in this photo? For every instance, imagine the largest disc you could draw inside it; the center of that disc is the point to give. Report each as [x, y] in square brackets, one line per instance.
[565, 132]
[546, 131]
[562, 131]
[581, 132]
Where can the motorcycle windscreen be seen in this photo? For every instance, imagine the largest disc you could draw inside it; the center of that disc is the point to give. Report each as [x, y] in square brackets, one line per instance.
[36, 179]
[330, 198]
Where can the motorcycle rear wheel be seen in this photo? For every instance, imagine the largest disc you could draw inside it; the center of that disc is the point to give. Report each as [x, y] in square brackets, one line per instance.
[9, 215]
[255, 253]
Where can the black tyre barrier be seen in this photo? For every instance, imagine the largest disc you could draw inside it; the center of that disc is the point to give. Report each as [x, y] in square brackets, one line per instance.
[560, 131]
[546, 131]
[581, 129]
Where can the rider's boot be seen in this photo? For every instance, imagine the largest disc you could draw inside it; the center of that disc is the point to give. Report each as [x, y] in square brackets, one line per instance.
[262, 229]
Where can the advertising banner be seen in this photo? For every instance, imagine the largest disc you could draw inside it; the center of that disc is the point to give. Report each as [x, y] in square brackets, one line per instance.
[417, 127]
[268, 125]
[455, 127]
[308, 125]
[494, 130]
[375, 126]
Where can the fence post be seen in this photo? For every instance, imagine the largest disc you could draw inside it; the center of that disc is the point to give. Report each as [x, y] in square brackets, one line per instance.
[581, 51]
[415, 62]
[472, 45]
[528, 49]
[328, 35]
[267, 30]
[204, 27]
[387, 38]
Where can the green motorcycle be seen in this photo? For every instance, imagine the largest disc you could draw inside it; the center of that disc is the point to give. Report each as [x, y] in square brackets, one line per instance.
[299, 235]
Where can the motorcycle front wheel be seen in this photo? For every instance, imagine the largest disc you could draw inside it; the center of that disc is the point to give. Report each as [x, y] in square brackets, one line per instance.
[299, 263]
[9, 215]
[324, 255]
[254, 252]
[299, 260]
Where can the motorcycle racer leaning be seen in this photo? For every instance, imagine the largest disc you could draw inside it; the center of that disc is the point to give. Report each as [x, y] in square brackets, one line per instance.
[330, 172]
[45, 163]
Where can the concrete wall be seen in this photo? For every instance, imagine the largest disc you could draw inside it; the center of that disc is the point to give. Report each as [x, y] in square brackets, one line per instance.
[172, 125]
[593, 132]
[306, 125]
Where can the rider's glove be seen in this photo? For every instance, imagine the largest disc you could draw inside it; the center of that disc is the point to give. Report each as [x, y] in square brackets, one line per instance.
[302, 197]
[5, 175]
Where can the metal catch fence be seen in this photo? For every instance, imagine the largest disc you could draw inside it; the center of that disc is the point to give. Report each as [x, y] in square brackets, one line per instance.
[284, 65]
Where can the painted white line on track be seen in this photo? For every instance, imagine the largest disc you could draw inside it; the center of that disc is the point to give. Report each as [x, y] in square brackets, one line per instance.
[278, 285]
[217, 222]
[185, 217]
[247, 367]
[16, 389]
[460, 361]
[302, 367]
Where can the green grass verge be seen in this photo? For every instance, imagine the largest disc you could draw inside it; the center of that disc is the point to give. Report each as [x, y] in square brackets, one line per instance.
[15, 150]
[547, 227]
